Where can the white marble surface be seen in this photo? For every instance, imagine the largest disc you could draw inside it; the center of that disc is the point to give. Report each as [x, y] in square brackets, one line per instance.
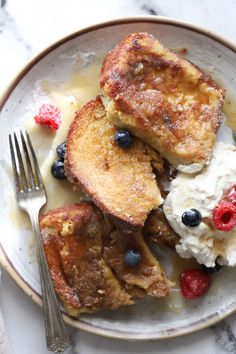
[26, 27]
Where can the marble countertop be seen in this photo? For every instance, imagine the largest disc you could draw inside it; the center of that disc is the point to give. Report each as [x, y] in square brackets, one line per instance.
[26, 27]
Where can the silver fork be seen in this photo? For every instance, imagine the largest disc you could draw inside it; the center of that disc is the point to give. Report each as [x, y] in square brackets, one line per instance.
[31, 197]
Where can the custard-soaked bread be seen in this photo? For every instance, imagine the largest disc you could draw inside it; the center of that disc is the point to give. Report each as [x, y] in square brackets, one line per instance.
[163, 99]
[120, 181]
[147, 274]
[72, 238]
[158, 230]
[82, 258]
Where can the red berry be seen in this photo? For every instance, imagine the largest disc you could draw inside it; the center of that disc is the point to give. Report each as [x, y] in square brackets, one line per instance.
[49, 115]
[194, 283]
[224, 216]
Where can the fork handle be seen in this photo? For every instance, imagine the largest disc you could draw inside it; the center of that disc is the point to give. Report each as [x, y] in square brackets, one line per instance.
[56, 337]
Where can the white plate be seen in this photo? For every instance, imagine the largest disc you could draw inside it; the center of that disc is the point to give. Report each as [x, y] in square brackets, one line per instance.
[149, 319]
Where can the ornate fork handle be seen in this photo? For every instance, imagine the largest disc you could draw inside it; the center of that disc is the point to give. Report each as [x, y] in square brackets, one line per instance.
[56, 336]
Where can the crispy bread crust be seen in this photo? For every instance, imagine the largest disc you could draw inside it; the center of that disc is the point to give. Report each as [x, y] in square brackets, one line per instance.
[163, 99]
[93, 162]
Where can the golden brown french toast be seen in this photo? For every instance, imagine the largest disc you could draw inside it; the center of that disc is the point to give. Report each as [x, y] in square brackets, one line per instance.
[72, 238]
[119, 181]
[158, 230]
[76, 242]
[163, 99]
[147, 274]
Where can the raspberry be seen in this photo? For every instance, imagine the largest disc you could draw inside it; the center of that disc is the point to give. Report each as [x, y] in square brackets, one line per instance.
[224, 216]
[49, 115]
[194, 283]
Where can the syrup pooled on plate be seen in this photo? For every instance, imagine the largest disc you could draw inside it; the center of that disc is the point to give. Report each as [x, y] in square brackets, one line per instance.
[69, 98]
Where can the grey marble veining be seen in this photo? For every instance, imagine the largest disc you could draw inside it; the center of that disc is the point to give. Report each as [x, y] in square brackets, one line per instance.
[3, 3]
[8, 22]
[27, 26]
[15, 49]
[150, 7]
[149, 10]
[224, 338]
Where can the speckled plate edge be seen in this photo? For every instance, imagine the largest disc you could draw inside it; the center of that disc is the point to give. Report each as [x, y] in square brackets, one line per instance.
[5, 262]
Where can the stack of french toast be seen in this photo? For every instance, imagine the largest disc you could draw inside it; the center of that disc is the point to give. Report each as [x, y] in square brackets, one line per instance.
[167, 112]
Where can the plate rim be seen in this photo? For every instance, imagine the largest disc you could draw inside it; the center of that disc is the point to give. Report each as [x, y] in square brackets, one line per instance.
[6, 263]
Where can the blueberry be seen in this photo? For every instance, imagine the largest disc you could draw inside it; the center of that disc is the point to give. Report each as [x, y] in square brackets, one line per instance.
[57, 169]
[215, 269]
[123, 138]
[132, 258]
[191, 217]
[61, 150]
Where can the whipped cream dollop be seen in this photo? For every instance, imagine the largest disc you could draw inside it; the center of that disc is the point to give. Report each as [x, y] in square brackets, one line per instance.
[203, 191]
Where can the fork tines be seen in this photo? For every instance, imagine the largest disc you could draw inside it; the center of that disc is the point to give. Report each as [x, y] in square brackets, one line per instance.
[25, 166]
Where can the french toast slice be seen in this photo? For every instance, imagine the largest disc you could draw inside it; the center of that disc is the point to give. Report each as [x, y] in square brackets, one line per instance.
[119, 181]
[147, 274]
[158, 230]
[72, 238]
[87, 266]
[163, 99]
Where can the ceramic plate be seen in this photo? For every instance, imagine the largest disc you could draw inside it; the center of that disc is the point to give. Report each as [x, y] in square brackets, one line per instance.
[148, 319]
